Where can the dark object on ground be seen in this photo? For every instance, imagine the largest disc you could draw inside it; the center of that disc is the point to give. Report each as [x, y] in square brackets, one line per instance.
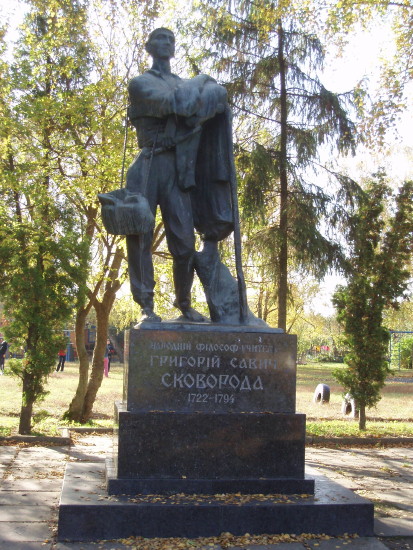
[349, 407]
[322, 394]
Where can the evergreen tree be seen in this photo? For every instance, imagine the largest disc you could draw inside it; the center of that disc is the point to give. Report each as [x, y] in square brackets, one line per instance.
[269, 62]
[42, 256]
[377, 269]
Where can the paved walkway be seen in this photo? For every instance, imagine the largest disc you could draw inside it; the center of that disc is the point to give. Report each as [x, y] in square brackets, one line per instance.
[31, 479]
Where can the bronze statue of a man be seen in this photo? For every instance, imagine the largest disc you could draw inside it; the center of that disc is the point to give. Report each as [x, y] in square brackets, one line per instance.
[183, 129]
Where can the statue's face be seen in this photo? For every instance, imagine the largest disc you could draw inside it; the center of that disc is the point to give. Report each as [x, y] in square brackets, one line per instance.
[162, 45]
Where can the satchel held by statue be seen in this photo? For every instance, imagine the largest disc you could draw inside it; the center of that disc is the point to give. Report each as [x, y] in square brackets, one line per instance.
[126, 213]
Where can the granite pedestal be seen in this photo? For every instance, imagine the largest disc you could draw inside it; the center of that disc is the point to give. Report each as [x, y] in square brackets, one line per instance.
[206, 410]
[87, 512]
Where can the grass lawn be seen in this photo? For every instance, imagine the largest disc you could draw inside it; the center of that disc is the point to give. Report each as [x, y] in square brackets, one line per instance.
[61, 386]
[393, 415]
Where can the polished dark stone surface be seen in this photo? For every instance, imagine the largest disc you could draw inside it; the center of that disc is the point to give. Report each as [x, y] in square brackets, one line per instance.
[210, 446]
[210, 372]
[87, 513]
[132, 486]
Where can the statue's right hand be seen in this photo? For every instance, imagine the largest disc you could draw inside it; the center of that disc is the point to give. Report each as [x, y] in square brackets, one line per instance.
[167, 142]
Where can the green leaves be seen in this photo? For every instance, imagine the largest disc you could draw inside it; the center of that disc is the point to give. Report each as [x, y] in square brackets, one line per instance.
[270, 62]
[43, 255]
[391, 98]
[379, 251]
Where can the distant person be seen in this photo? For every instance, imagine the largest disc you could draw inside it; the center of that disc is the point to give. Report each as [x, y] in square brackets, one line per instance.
[62, 359]
[3, 350]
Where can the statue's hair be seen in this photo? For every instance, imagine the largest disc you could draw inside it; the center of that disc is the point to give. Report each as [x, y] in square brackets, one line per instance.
[155, 32]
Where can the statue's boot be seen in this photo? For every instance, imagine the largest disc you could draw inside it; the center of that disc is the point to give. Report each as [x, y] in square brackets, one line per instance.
[149, 316]
[148, 313]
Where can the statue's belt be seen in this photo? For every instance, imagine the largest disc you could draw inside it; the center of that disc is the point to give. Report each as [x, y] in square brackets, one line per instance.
[148, 151]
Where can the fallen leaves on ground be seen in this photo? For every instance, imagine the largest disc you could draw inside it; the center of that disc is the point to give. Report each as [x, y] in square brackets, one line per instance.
[225, 540]
[236, 499]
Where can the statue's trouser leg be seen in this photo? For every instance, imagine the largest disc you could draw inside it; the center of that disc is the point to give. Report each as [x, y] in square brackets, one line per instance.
[179, 228]
[176, 211]
[183, 278]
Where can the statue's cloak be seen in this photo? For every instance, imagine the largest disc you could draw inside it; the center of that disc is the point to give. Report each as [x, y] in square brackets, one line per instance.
[211, 196]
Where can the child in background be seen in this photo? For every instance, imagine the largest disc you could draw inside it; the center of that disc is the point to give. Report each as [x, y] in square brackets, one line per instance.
[62, 359]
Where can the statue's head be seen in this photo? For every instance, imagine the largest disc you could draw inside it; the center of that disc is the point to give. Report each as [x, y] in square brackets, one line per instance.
[161, 43]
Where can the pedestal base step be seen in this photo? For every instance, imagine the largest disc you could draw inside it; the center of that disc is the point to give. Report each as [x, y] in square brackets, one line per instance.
[87, 512]
[148, 486]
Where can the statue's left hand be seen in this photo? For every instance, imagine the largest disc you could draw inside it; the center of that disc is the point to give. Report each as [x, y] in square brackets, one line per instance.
[188, 99]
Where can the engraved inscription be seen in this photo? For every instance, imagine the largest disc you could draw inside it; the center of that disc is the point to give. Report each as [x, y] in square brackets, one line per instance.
[222, 356]
[217, 372]
[253, 363]
[206, 397]
[175, 346]
[203, 381]
[182, 361]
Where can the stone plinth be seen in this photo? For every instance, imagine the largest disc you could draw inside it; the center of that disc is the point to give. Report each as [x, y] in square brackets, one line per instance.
[213, 446]
[87, 513]
[206, 411]
[221, 371]
[209, 410]
[209, 453]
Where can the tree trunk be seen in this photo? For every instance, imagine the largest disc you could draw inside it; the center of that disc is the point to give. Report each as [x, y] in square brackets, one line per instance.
[75, 408]
[259, 302]
[74, 411]
[103, 310]
[362, 416]
[267, 305]
[283, 250]
[26, 410]
[25, 423]
[81, 407]
[96, 376]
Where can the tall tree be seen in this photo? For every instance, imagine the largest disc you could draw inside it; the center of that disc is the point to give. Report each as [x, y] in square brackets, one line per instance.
[270, 64]
[79, 54]
[77, 124]
[42, 256]
[380, 246]
[118, 49]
